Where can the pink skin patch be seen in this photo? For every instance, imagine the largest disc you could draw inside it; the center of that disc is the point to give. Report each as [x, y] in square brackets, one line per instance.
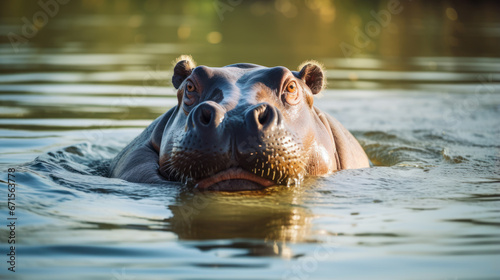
[233, 174]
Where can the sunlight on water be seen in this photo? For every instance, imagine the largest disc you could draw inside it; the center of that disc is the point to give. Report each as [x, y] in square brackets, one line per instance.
[422, 97]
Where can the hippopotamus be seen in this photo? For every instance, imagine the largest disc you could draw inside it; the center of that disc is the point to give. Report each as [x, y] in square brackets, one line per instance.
[240, 127]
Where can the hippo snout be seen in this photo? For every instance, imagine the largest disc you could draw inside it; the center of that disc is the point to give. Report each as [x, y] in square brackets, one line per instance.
[245, 145]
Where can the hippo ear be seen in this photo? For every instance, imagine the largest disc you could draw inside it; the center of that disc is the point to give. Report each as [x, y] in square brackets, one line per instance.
[183, 68]
[311, 73]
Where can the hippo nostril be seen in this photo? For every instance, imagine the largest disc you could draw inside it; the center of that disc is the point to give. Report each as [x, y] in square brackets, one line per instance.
[264, 116]
[205, 116]
[208, 115]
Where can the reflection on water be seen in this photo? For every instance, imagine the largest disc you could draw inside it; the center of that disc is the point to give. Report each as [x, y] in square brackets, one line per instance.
[275, 216]
[277, 212]
[421, 94]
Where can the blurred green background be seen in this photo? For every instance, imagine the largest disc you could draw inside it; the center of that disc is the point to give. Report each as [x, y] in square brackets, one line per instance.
[281, 32]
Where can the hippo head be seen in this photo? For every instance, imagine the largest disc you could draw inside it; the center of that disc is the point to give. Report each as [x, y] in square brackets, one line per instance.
[244, 127]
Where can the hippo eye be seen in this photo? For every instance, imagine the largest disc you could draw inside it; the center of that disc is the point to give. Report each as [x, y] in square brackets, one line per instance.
[292, 94]
[190, 95]
[190, 87]
[291, 88]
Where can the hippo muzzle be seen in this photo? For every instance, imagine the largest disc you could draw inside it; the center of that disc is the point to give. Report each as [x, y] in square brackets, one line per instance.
[246, 150]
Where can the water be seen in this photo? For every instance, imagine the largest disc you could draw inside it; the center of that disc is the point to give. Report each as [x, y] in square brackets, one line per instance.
[424, 103]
